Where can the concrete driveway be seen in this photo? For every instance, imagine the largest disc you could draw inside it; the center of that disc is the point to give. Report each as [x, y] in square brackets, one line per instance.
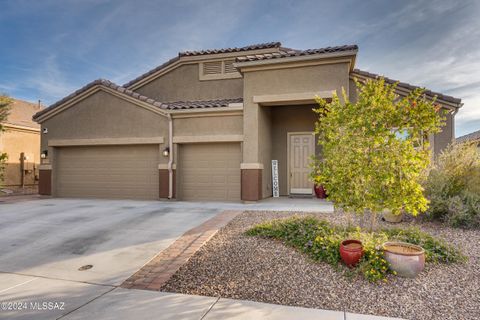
[43, 243]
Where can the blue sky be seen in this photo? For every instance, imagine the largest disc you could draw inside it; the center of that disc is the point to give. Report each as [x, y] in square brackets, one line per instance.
[51, 48]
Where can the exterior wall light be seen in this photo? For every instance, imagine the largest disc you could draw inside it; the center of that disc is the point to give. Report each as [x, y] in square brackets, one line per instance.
[44, 154]
[166, 152]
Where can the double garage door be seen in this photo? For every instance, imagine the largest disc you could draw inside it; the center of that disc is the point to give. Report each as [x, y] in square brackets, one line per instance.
[123, 172]
[204, 172]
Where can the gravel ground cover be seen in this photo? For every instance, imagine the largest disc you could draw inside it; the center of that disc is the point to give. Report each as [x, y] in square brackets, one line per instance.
[233, 265]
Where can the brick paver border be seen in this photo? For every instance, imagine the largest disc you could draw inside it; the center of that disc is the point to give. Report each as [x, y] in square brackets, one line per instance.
[154, 274]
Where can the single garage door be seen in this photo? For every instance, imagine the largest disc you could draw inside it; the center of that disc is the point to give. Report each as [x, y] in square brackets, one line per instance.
[127, 172]
[210, 171]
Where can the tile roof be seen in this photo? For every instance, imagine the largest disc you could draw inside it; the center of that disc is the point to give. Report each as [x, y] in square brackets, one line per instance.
[218, 103]
[175, 105]
[21, 113]
[473, 136]
[407, 86]
[203, 52]
[259, 46]
[105, 83]
[287, 52]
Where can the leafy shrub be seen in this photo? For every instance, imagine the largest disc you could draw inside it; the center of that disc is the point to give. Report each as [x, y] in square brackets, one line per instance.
[321, 240]
[374, 155]
[453, 187]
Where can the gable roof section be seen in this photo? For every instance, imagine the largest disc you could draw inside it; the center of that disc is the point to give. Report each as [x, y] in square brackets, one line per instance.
[288, 53]
[260, 46]
[165, 107]
[473, 136]
[406, 86]
[101, 83]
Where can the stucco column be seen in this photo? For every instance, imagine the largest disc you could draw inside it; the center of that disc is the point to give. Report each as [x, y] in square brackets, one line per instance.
[251, 168]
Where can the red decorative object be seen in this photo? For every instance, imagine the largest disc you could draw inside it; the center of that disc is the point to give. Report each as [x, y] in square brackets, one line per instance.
[351, 251]
[320, 192]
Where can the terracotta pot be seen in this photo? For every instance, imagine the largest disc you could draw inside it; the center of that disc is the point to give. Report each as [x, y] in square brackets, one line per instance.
[320, 192]
[406, 259]
[351, 251]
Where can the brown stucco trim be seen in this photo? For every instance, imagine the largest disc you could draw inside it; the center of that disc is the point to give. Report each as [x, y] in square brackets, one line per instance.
[251, 184]
[45, 182]
[163, 183]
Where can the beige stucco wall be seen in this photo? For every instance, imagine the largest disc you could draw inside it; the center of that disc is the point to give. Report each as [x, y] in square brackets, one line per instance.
[14, 142]
[445, 137]
[265, 152]
[327, 77]
[101, 116]
[211, 125]
[183, 84]
[284, 120]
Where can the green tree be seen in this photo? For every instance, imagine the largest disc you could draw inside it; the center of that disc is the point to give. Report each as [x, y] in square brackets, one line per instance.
[375, 151]
[5, 103]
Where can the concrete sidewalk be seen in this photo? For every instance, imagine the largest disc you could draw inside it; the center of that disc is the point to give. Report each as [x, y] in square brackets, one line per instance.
[122, 304]
[77, 300]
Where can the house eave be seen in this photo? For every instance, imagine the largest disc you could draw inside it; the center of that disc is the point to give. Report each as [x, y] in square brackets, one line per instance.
[350, 54]
[404, 91]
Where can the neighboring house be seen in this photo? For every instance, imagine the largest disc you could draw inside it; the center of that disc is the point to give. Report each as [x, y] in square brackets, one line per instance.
[473, 137]
[21, 142]
[203, 126]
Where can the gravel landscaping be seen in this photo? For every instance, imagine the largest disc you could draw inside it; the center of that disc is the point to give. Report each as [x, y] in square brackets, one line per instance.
[233, 265]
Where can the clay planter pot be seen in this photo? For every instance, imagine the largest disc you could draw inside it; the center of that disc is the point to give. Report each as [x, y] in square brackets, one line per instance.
[320, 192]
[390, 217]
[406, 259]
[351, 251]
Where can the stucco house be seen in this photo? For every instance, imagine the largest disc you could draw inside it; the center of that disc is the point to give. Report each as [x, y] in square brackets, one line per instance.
[205, 125]
[21, 142]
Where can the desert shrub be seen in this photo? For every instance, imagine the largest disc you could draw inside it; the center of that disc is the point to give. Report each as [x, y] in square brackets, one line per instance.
[320, 240]
[453, 187]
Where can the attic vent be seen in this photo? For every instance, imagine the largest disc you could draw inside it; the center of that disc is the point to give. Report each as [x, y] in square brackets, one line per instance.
[214, 67]
[228, 66]
[219, 69]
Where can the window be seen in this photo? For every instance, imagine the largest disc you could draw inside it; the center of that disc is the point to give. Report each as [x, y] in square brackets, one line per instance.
[220, 69]
[403, 134]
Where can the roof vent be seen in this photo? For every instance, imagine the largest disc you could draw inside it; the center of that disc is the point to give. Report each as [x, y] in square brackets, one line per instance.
[228, 66]
[214, 67]
[218, 69]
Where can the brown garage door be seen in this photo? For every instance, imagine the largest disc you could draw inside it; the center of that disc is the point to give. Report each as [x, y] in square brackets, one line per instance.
[128, 172]
[210, 171]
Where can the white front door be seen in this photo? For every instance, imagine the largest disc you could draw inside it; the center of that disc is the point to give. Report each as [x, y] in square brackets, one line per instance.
[301, 149]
